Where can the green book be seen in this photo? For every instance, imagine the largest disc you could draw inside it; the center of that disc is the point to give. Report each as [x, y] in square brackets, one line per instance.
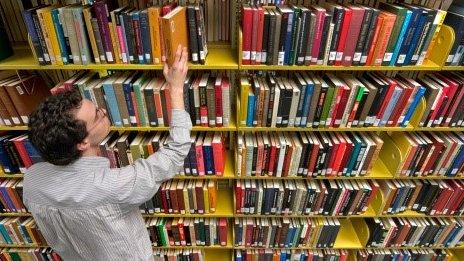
[327, 104]
[160, 227]
[295, 32]
[141, 108]
[400, 13]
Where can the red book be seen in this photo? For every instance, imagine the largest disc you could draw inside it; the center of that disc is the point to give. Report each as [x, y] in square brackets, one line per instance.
[200, 198]
[204, 116]
[138, 39]
[223, 231]
[247, 20]
[340, 154]
[199, 155]
[272, 158]
[441, 201]
[313, 158]
[287, 160]
[180, 226]
[344, 255]
[259, 41]
[169, 230]
[164, 199]
[249, 234]
[218, 96]
[353, 34]
[320, 14]
[135, 106]
[343, 35]
[333, 153]
[173, 196]
[341, 107]
[370, 54]
[180, 197]
[238, 197]
[347, 155]
[168, 8]
[449, 109]
[218, 154]
[338, 99]
[384, 37]
[453, 205]
[254, 36]
[19, 145]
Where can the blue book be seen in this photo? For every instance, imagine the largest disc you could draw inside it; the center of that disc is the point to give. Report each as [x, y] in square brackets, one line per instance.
[395, 204]
[29, 21]
[136, 19]
[8, 201]
[25, 234]
[354, 156]
[127, 88]
[416, 13]
[34, 155]
[238, 256]
[283, 256]
[111, 102]
[5, 234]
[399, 42]
[5, 160]
[457, 162]
[145, 32]
[289, 238]
[208, 155]
[413, 106]
[307, 104]
[60, 35]
[250, 109]
[416, 36]
[289, 39]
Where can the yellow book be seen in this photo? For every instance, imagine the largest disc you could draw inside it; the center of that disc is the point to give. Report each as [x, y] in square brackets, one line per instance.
[244, 89]
[52, 33]
[153, 20]
[212, 195]
[115, 42]
[93, 42]
[46, 34]
[206, 197]
[439, 19]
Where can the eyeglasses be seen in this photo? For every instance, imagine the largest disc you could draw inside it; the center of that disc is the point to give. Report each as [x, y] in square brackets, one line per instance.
[100, 114]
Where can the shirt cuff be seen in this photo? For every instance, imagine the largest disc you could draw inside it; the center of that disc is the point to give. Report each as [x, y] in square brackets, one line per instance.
[180, 118]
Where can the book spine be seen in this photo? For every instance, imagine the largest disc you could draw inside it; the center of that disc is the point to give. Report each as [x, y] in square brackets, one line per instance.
[415, 16]
[145, 35]
[192, 31]
[338, 20]
[364, 31]
[90, 33]
[28, 20]
[428, 23]
[101, 11]
[40, 36]
[138, 38]
[320, 15]
[98, 40]
[401, 38]
[400, 17]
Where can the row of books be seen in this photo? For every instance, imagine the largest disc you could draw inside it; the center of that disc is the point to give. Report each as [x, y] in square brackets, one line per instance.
[17, 153]
[307, 154]
[300, 255]
[328, 100]
[431, 153]
[342, 255]
[455, 19]
[341, 35]
[104, 33]
[308, 197]
[178, 254]
[286, 232]
[412, 232]
[20, 231]
[20, 93]
[187, 231]
[207, 155]
[183, 197]
[11, 196]
[432, 197]
[25, 254]
[403, 254]
[141, 99]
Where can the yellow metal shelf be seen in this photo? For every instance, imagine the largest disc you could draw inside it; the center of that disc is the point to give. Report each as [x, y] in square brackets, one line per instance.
[13, 128]
[439, 129]
[427, 66]
[217, 59]
[453, 68]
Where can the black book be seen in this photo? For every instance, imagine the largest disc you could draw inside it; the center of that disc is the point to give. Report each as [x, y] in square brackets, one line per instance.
[150, 105]
[338, 14]
[325, 35]
[272, 85]
[370, 36]
[266, 37]
[283, 36]
[272, 31]
[430, 16]
[201, 34]
[193, 34]
[130, 36]
[303, 34]
[365, 26]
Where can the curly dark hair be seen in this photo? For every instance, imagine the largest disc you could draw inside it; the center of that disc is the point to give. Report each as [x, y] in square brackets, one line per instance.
[54, 129]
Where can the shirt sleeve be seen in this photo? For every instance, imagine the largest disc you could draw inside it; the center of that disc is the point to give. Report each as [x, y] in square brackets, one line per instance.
[137, 183]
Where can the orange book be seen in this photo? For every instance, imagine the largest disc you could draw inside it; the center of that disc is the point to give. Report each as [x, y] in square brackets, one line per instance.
[374, 40]
[384, 37]
[153, 18]
[174, 32]
[212, 193]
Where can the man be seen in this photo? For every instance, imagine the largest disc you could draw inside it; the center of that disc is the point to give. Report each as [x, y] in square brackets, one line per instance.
[84, 209]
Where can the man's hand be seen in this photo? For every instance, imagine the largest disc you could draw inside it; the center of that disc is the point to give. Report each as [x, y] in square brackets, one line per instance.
[175, 77]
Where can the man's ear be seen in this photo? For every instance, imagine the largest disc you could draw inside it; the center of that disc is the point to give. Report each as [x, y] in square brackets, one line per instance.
[84, 145]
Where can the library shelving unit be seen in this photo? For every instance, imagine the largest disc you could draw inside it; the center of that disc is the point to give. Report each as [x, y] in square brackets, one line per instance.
[354, 233]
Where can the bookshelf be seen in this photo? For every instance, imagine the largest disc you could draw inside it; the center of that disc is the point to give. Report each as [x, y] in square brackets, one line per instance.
[354, 232]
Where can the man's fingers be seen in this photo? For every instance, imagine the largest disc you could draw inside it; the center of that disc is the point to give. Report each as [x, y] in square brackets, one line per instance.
[178, 53]
[184, 58]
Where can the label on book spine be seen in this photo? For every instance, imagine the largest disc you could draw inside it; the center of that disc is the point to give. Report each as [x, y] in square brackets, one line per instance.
[401, 58]
[387, 57]
[109, 55]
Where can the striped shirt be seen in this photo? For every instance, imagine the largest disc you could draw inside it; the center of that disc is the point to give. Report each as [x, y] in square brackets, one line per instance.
[87, 211]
